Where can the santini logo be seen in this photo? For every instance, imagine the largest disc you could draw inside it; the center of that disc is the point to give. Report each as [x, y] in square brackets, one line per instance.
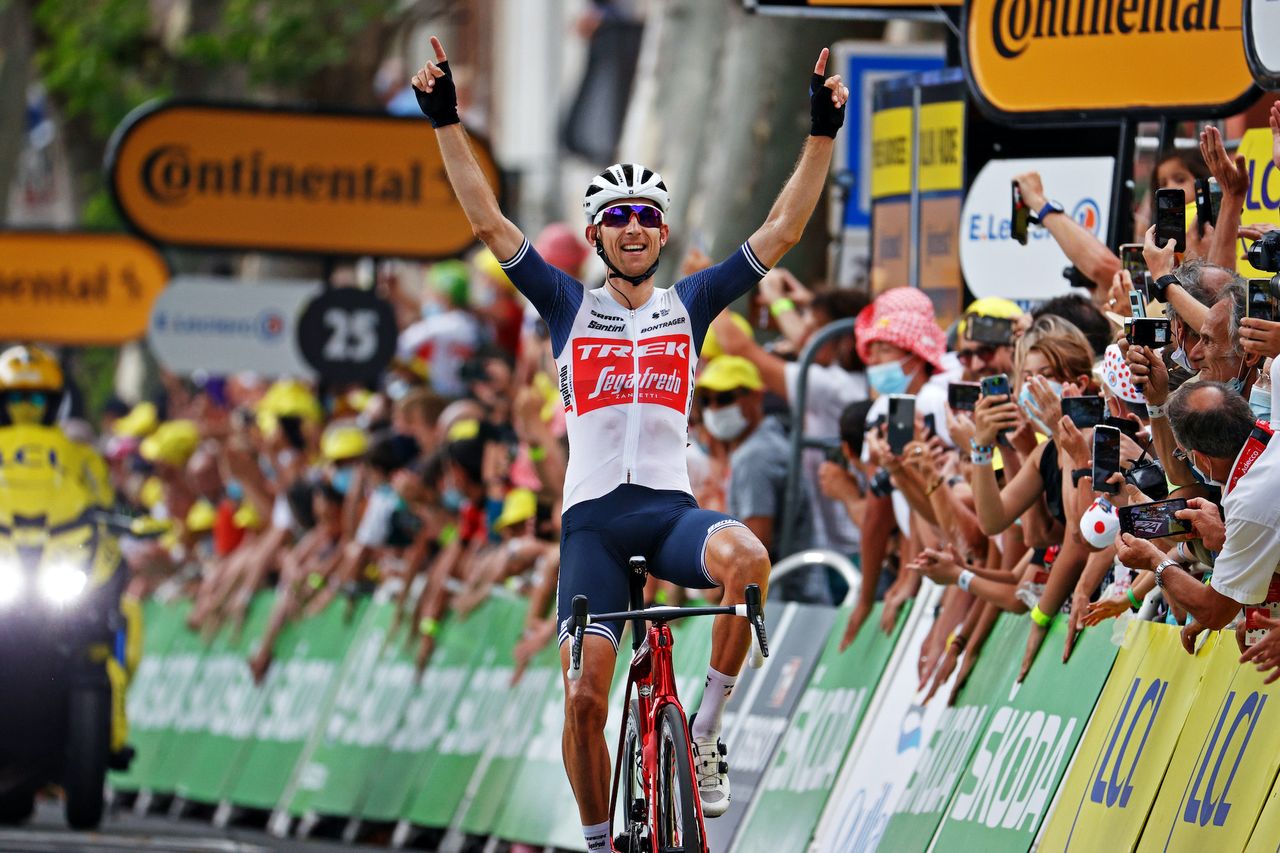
[1015, 24]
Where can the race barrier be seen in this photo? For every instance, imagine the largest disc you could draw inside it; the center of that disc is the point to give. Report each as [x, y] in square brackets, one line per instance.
[1137, 746]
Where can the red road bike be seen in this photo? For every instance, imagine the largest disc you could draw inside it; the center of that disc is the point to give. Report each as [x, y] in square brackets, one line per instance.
[655, 793]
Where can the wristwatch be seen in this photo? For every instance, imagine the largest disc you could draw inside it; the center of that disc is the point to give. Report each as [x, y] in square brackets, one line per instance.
[1164, 564]
[1050, 207]
[1161, 285]
[1078, 473]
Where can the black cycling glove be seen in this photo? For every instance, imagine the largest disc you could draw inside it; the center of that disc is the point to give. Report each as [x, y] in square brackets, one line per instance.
[824, 118]
[440, 105]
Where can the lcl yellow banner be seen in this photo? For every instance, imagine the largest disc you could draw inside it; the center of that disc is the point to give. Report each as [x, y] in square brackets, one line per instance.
[1046, 58]
[292, 181]
[77, 288]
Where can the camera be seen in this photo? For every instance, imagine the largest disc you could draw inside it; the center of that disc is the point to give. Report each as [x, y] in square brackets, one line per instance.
[1077, 279]
[1264, 254]
[881, 484]
[1149, 479]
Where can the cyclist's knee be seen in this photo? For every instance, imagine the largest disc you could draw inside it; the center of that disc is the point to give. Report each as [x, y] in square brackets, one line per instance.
[735, 558]
[586, 707]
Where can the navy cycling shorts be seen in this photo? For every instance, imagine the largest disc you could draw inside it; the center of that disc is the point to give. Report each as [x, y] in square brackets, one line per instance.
[598, 537]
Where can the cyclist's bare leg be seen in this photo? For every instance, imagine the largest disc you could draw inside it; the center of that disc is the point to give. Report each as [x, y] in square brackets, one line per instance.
[735, 558]
[586, 708]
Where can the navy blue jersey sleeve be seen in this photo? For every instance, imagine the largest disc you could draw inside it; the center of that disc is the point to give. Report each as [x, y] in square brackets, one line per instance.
[710, 291]
[556, 295]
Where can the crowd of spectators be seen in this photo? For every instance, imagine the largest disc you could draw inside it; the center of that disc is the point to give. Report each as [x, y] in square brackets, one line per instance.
[445, 478]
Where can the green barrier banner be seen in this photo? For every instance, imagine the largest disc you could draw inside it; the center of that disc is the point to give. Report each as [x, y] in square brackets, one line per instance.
[1122, 758]
[412, 748]
[921, 806]
[1021, 757]
[473, 722]
[803, 773]
[294, 701]
[1224, 764]
[151, 704]
[225, 703]
[372, 692]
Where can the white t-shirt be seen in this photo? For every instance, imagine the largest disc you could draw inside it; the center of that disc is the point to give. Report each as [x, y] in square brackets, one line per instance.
[1251, 511]
[444, 341]
[828, 392]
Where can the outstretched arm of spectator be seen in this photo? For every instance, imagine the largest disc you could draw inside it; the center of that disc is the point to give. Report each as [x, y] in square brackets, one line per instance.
[1089, 254]
[878, 525]
[1211, 609]
[438, 99]
[778, 288]
[734, 341]
[1233, 179]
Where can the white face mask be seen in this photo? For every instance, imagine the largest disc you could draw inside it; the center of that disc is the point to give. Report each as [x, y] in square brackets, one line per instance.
[1204, 473]
[725, 423]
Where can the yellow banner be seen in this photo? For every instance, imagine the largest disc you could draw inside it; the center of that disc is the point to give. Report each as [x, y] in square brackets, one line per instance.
[1055, 56]
[77, 288]
[891, 152]
[1104, 800]
[942, 146]
[1224, 764]
[1263, 202]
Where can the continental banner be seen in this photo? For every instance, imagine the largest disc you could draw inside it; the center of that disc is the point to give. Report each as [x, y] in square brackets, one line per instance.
[1224, 764]
[79, 288]
[804, 771]
[1262, 204]
[288, 180]
[942, 764]
[1071, 59]
[1010, 783]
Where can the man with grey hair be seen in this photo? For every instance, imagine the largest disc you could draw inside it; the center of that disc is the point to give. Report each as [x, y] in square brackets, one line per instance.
[1219, 354]
[1233, 451]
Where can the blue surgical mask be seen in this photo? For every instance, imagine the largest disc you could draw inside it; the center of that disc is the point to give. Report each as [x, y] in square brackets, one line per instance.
[1260, 402]
[887, 378]
[451, 499]
[430, 309]
[341, 480]
[235, 491]
[1203, 475]
[1026, 401]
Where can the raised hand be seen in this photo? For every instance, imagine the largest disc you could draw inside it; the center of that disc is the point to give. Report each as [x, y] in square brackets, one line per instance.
[1160, 259]
[1233, 177]
[437, 96]
[827, 97]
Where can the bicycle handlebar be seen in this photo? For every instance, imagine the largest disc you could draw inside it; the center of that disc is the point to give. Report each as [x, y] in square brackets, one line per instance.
[752, 611]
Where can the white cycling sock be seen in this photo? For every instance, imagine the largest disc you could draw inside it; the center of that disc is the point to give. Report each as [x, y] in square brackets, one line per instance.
[717, 692]
[597, 837]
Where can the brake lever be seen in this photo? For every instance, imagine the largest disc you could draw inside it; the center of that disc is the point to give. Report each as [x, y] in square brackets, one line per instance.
[578, 627]
[755, 615]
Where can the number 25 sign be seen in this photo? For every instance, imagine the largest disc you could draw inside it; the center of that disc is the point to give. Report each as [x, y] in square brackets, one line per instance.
[347, 335]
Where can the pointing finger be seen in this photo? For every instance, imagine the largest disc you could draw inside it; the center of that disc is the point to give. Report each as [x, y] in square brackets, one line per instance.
[821, 67]
[439, 49]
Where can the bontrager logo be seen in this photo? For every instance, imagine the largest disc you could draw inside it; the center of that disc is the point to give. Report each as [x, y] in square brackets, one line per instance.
[1016, 24]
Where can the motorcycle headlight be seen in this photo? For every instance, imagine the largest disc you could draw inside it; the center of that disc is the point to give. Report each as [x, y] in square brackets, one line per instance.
[62, 582]
[11, 582]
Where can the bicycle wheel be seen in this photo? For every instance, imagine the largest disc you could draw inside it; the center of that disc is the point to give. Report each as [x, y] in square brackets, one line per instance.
[677, 829]
[632, 806]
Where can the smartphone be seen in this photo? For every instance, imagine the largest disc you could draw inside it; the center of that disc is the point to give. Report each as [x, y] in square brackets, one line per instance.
[1154, 520]
[1125, 425]
[1084, 412]
[1137, 305]
[995, 386]
[963, 396]
[1021, 216]
[1136, 265]
[1171, 218]
[1206, 214]
[836, 455]
[930, 426]
[1261, 305]
[1153, 332]
[1106, 458]
[902, 421]
[996, 331]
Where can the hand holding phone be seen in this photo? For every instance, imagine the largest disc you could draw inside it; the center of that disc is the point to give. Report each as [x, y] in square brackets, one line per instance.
[902, 422]
[1154, 520]
[1106, 458]
[1084, 412]
[1171, 218]
[1021, 217]
[963, 396]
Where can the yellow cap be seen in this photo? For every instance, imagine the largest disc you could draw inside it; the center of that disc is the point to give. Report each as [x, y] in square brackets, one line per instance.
[291, 398]
[173, 442]
[151, 492]
[989, 306]
[519, 505]
[24, 368]
[711, 346]
[464, 429]
[247, 517]
[201, 516]
[139, 423]
[343, 441]
[728, 373]
[486, 264]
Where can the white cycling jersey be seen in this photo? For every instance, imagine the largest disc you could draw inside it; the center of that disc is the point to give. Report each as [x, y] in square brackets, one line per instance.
[626, 375]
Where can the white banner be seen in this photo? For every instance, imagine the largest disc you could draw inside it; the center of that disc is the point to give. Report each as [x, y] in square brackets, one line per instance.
[1264, 33]
[993, 263]
[220, 326]
[884, 755]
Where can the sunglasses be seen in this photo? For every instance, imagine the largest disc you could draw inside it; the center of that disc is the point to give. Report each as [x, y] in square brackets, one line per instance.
[619, 215]
[35, 398]
[719, 398]
[983, 353]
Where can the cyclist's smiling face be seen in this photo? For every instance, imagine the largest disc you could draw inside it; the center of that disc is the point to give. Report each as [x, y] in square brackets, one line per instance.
[631, 247]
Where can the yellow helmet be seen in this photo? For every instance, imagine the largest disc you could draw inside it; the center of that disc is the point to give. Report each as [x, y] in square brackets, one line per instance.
[30, 386]
[343, 441]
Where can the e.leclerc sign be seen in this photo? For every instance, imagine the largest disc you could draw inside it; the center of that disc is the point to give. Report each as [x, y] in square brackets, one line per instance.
[294, 181]
[1054, 60]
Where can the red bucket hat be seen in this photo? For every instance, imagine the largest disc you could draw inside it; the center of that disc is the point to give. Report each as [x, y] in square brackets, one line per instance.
[904, 317]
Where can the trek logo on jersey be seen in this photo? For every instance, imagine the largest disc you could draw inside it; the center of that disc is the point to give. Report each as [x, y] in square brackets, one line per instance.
[605, 374]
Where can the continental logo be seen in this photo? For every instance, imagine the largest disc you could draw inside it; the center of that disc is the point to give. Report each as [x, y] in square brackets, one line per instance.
[1017, 24]
[288, 180]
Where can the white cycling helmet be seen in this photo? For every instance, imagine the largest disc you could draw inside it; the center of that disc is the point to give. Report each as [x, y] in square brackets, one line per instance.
[623, 182]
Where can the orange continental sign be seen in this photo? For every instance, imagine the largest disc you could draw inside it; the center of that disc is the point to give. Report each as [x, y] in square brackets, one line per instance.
[66, 287]
[1047, 59]
[252, 178]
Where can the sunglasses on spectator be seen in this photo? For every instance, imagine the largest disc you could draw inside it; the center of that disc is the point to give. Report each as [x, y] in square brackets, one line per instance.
[619, 215]
[35, 398]
[720, 398]
[983, 353]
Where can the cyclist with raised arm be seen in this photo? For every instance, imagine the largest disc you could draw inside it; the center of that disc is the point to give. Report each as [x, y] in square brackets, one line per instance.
[626, 354]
